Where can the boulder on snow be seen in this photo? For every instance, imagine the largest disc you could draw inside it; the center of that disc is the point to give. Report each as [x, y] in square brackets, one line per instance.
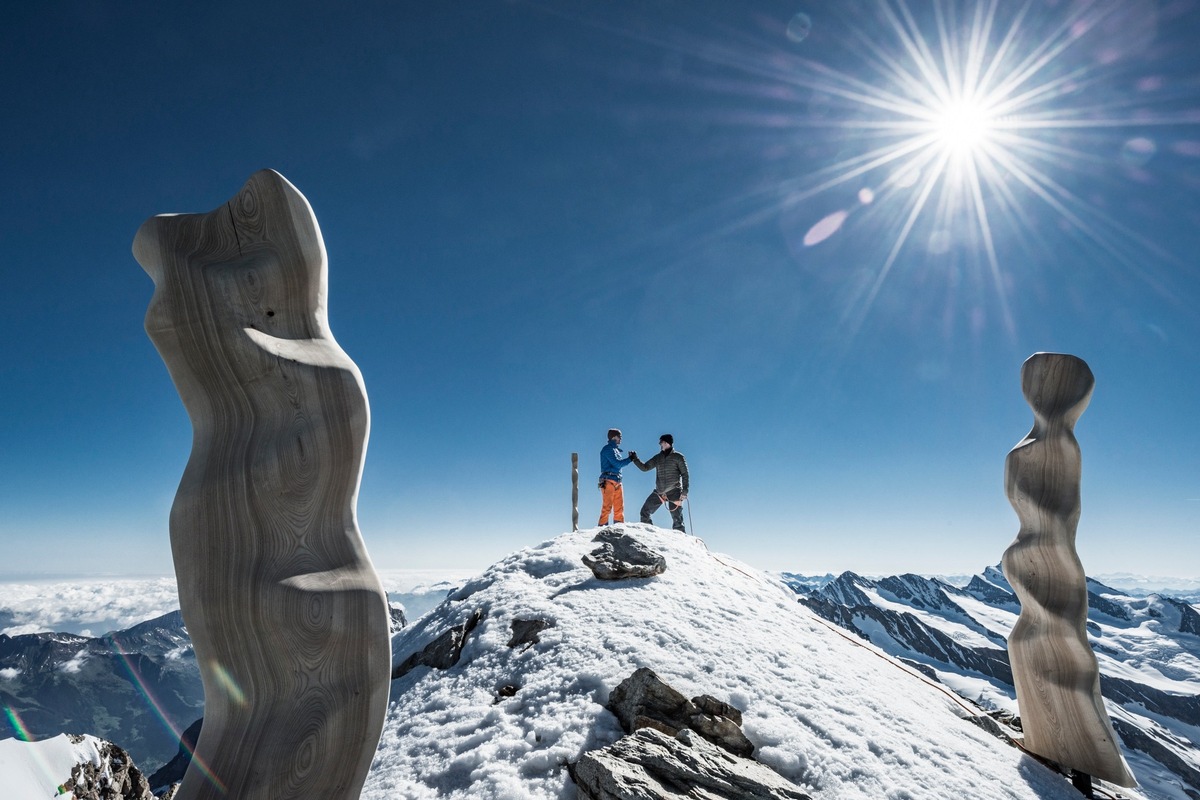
[650, 765]
[444, 651]
[620, 556]
[525, 631]
[711, 705]
[643, 700]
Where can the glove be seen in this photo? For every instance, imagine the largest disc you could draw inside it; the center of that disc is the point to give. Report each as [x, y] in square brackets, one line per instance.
[600, 485]
[633, 454]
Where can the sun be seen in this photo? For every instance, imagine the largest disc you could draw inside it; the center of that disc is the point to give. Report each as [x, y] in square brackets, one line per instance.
[964, 127]
[959, 120]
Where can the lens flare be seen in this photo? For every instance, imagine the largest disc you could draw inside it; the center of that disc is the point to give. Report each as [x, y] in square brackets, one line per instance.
[227, 682]
[981, 127]
[160, 713]
[17, 724]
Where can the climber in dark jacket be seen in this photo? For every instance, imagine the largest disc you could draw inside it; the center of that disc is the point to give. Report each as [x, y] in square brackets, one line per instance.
[670, 481]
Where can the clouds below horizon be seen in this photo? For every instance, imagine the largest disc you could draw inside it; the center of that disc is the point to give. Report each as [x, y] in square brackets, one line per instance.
[96, 607]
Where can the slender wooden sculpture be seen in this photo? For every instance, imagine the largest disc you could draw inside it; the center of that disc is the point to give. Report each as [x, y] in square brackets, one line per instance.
[1055, 670]
[286, 614]
[574, 491]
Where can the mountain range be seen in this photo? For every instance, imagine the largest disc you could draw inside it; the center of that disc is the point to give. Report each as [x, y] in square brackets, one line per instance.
[1148, 650]
[516, 683]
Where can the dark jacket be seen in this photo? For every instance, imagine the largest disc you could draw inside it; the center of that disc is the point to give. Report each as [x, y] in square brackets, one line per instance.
[671, 469]
[611, 461]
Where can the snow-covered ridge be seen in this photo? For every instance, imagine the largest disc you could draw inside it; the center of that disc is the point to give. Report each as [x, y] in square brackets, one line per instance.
[834, 715]
[68, 766]
[1148, 650]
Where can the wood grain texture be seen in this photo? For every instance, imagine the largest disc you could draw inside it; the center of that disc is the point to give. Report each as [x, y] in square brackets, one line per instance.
[285, 611]
[1054, 668]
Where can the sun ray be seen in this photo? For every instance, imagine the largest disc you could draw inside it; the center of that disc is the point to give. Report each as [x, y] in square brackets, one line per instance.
[918, 205]
[987, 103]
[981, 124]
[989, 248]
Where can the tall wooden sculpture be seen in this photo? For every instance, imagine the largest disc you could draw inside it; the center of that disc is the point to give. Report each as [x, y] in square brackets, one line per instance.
[286, 614]
[1055, 670]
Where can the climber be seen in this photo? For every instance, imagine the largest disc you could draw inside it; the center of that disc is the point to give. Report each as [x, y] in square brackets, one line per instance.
[670, 481]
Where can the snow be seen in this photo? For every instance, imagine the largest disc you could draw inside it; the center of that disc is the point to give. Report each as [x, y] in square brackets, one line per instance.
[36, 770]
[1139, 642]
[831, 713]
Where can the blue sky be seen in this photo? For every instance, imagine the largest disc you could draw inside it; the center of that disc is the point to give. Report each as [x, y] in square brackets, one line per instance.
[544, 220]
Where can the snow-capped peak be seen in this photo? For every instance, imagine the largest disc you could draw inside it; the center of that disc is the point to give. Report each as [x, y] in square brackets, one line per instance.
[828, 712]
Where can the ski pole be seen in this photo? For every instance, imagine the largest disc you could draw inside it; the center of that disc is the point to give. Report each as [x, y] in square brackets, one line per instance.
[689, 507]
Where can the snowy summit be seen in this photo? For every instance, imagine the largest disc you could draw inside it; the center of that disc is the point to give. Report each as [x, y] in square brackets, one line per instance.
[834, 716]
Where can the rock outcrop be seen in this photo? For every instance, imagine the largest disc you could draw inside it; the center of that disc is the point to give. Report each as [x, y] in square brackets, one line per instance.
[643, 700]
[620, 557]
[113, 777]
[288, 619]
[444, 651]
[676, 748]
[525, 631]
[651, 765]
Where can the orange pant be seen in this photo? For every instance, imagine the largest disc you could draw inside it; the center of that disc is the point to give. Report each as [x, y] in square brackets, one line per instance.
[614, 501]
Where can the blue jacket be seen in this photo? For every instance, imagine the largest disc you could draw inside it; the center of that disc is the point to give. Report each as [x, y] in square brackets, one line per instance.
[611, 461]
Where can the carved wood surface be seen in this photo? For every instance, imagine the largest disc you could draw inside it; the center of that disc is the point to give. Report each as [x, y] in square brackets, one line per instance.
[1054, 668]
[285, 611]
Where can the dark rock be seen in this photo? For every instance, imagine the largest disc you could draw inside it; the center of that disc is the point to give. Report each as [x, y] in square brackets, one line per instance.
[1138, 739]
[991, 726]
[723, 732]
[444, 651]
[919, 592]
[915, 635]
[525, 631]
[1189, 620]
[620, 557]
[711, 705]
[507, 690]
[1185, 708]
[398, 620]
[643, 700]
[990, 593]
[1108, 607]
[846, 590]
[114, 778]
[651, 765]
[172, 771]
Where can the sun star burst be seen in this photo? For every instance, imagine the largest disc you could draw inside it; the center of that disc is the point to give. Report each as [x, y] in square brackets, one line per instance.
[962, 118]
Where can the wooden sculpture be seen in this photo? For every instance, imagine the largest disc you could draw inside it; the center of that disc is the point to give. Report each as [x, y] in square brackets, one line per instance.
[286, 614]
[1054, 668]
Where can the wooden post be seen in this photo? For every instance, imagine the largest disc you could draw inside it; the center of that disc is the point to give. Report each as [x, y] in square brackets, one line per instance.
[1054, 669]
[287, 617]
[574, 491]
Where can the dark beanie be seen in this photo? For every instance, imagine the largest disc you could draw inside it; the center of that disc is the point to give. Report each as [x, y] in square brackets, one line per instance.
[614, 433]
[668, 438]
